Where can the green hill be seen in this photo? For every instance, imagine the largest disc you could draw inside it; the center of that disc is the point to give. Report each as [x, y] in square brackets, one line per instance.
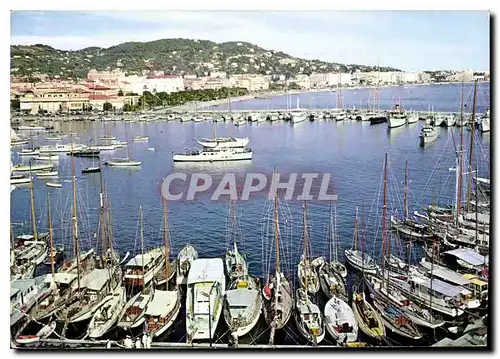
[175, 56]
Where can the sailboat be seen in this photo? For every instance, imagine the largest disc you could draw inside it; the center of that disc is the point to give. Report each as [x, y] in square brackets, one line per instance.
[107, 314]
[164, 308]
[393, 318]
[235, 261]
[356, 258]
[124, 162]
[332, 273]
[141, 269]
[162, 277]
[243, 301]
[186, 256]
[60, 284]
[369, 320]
[308, 317]
[278, 301]
[308, 277]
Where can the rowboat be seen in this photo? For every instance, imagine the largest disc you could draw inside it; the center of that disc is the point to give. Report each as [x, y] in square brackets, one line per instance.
[53, 184]
[91, 169]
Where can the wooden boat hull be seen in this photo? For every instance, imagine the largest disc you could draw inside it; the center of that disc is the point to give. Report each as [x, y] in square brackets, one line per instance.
[376, 332]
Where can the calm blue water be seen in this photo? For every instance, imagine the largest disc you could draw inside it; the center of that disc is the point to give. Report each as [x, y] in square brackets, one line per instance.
[353, 152]
[438, 97]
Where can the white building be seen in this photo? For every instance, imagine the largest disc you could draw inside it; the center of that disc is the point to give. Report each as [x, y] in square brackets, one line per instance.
[164, 83]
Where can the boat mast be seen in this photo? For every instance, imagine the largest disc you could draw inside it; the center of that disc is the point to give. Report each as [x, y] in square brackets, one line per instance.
[142, 247]
[471, 152]
[75, 215]
[167, 244]
[32, 205]
[384, 213]
[101, 215]
[331, 236]
[335, 235]
[128, 145]
[363, 245]
[306, 236]
[405, 194]
[355, 239]
[460, 156]
[276, 232]
[49, 219]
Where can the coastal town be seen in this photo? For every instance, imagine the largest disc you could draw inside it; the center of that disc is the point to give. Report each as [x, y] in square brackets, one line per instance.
[169, 192]
[116, 90]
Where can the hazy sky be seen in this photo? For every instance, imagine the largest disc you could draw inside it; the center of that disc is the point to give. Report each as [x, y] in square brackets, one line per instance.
[409, 40]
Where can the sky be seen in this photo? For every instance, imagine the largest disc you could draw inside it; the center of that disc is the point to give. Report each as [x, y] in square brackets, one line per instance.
[408, 40]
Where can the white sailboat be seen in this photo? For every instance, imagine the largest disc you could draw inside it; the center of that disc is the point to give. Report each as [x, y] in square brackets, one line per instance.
[124, 162]
[107, 314]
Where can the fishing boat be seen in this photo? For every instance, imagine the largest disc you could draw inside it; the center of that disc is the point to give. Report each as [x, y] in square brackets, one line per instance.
[340, 322]
[107, 314]
[428, 134]
[33, 167]
[134, 311]
[162, 311]
[359, 260]
[308, 318]
[277, 292]
[53, 184]
[369, 320]
[397, 117]
[205, 297]
[242, 305]
[308, 277]
[32, 252]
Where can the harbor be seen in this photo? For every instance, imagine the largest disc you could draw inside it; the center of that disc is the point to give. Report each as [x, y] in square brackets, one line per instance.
[406, 216]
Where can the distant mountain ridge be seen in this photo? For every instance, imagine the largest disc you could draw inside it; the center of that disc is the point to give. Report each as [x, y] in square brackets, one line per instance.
[174, 56]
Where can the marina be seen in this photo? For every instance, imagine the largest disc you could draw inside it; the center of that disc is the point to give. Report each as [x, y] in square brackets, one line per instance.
[176, 212]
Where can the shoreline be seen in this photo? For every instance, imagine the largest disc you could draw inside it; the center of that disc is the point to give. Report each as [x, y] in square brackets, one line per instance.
[194, 106]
